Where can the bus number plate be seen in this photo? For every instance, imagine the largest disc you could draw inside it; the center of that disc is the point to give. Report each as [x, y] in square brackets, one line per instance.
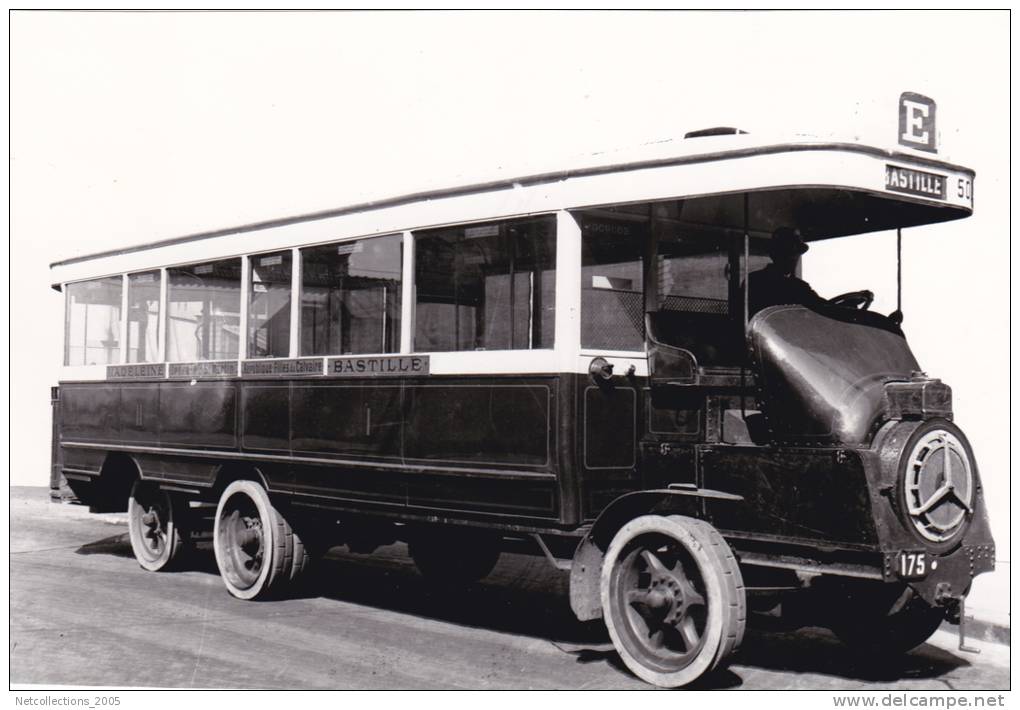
[911, 564]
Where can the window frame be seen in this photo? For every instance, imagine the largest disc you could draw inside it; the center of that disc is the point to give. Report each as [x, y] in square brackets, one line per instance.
[241, 336]
[564, 329]
[160, 316]
[120, 325]
[555, 227]
[579, 216]
[730, 243]
[400, 344]
[248, 266]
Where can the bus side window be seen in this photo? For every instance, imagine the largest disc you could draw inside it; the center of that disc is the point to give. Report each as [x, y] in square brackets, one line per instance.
[204, 311]
[143, 317]
[92, 322]
[269, 305]
[350, 297]
[612, 287]
[486, 287]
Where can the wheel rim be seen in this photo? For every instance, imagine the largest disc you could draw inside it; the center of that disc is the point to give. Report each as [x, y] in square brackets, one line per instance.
[659, 593]
[242, 539]
[151, 515]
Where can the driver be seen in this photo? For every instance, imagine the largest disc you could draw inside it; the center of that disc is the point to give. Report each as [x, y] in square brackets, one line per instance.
[777, 283]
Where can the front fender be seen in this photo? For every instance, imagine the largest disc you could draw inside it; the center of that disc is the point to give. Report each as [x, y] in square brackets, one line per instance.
[586, 568]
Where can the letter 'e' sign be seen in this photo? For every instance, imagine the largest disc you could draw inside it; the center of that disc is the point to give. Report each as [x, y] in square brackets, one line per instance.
[917, 122]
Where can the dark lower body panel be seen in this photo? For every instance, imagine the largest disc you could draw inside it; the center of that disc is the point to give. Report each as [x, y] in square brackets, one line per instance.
[467, 447]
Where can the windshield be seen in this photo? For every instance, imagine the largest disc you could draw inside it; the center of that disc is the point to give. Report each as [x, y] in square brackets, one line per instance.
[837, 266]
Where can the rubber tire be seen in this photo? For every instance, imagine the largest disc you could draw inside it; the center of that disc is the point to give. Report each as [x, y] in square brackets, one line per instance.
[871, 633]
[284, 555]
[454, 556]
[725, 595]
[172, 552]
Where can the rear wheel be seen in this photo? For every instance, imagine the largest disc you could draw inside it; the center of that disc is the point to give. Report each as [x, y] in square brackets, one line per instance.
[672, 598]
[257, 551]
[454, 556]
[156, 538]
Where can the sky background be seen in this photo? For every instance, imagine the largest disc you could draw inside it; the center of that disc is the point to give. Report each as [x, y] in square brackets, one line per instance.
[130, 127]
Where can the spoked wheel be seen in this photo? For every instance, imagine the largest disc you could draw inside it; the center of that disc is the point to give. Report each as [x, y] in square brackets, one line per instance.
[156, 538]
[257, 551]
[673, 599]
[454, 556]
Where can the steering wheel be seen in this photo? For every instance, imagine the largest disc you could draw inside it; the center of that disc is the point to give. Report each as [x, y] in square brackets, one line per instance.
[854, 299]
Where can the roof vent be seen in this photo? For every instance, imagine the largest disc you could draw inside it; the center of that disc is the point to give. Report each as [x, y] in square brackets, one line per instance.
[716, 131]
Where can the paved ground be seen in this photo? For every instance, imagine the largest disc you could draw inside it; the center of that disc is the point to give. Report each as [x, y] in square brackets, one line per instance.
[84, 613]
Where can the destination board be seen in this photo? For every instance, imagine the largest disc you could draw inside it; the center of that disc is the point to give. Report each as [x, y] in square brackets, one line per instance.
[915, 182]
[282, 367]
[395, 366]
[135, 371]
[190, 370]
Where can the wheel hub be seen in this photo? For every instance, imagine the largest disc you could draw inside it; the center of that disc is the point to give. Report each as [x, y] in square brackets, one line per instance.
[666, 610]
[665, 593]
[250, 537]
[244, 540]
[154, 531]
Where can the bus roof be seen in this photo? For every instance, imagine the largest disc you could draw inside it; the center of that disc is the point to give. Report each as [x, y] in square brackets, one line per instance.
[777, 164]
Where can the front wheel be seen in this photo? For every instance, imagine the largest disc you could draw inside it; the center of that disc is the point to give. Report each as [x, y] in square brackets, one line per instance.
[875, 622]
[672, 598]
[153, 527]
[257, 551]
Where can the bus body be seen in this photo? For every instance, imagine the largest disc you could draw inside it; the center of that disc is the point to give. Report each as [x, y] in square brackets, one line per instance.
[565, 357]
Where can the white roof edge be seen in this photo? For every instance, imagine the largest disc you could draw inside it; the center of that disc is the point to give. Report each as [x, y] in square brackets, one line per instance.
[648, 155]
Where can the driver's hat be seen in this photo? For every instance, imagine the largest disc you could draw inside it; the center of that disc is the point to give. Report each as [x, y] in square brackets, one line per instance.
[787, 240]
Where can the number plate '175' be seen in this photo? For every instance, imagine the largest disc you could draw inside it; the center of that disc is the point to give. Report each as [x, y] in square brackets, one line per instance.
[912, 565]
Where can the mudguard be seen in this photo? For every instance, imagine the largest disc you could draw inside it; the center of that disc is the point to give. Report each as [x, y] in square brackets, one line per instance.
[586, 568]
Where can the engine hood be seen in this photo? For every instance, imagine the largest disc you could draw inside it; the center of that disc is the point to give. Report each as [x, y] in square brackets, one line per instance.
[821, 374]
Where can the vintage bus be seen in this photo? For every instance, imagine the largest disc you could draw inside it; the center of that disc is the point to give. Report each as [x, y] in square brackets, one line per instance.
[569, 359]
